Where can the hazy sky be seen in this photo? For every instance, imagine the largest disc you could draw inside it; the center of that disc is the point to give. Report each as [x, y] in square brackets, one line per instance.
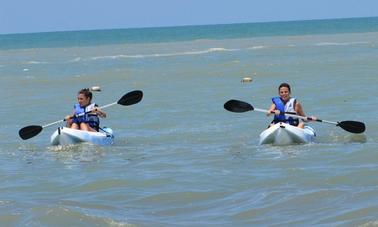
[23, 16]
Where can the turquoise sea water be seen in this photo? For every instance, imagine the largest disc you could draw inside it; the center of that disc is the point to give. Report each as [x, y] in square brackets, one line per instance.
[186, 33]
[179, 158]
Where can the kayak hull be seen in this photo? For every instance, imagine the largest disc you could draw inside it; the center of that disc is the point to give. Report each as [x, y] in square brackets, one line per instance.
[285, 134]
[67, 136]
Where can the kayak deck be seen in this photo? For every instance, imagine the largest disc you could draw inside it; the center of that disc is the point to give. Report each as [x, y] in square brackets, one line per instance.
[285, 134]
[66, 136]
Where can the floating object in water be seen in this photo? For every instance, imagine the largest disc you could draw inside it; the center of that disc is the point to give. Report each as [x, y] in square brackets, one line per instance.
[95, 88]
[246, 80]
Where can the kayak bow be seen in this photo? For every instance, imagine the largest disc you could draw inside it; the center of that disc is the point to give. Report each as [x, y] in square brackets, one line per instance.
[285, 134]
[66, 136]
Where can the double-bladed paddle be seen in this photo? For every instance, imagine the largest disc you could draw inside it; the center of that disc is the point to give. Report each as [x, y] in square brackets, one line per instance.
[128, 99]
[238, 106]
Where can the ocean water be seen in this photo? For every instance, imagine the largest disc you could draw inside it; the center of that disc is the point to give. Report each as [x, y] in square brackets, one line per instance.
[179, 158]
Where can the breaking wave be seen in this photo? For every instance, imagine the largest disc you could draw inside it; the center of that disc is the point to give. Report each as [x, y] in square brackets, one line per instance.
[196, 52]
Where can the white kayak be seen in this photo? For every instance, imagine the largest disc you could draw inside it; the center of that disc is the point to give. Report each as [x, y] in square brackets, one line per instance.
[66, 136]
[285, 134]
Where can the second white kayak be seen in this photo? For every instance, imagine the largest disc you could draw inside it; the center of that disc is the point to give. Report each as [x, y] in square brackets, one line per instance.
[285, 134]
[66, 136]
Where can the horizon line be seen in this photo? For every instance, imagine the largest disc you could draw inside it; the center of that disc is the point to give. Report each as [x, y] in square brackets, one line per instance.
[185, 25]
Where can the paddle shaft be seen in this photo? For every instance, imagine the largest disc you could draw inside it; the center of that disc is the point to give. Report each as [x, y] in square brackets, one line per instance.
[297, 116]
[238, 106]
[78, 115]
[128, 99]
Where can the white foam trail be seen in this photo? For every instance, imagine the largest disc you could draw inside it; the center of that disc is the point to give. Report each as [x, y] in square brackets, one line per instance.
[76, 59]
[36, 62]
[256, 47]
[199, 52]
[340, 44]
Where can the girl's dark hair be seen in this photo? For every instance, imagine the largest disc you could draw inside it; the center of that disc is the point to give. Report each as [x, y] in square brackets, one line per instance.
[284, 85]
[86, 92]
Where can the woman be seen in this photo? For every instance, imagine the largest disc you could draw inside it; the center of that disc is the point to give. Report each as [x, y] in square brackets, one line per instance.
[86, 113]
[285, 103]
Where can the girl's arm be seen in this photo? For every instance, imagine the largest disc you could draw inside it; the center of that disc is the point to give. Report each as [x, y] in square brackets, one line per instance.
[99, 112]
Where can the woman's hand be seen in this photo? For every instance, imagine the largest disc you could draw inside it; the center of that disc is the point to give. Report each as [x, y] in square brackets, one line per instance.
[312, 118]
[275, 112]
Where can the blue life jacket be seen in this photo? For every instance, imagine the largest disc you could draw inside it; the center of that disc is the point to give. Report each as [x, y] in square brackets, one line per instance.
[289, 106]
[91, 119]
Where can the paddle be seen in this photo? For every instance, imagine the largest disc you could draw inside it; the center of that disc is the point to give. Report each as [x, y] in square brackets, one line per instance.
[240, 107]
[128, 99]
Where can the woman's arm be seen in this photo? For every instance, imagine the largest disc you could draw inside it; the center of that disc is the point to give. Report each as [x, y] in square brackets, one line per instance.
[272, 109]
[300, 112]
[298, 108]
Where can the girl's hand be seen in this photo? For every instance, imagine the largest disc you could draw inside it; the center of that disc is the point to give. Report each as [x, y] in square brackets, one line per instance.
[99, 112]
[313, 118]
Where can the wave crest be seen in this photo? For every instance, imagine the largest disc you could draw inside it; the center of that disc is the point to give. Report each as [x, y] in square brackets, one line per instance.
[340, 44]
[175, 54]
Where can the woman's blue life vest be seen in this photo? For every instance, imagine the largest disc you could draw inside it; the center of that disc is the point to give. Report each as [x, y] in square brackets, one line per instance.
[288, 107]
[91, 119]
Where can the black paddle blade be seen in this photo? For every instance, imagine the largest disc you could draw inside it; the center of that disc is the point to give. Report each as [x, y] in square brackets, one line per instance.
[131, 98]
[237, 106]
[352, 126]
[29, 131]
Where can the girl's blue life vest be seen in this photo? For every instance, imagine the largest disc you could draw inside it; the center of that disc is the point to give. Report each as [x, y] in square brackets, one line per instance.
[91, 119]
[289, 106]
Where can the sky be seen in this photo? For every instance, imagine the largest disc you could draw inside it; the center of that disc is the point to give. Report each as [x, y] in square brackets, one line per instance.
[27, 16]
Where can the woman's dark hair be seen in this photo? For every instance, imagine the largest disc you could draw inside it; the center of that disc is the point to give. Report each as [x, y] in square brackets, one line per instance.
[86, 92]
[284, 85]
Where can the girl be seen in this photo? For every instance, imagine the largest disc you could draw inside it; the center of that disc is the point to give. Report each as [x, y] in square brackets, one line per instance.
[86, 113]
